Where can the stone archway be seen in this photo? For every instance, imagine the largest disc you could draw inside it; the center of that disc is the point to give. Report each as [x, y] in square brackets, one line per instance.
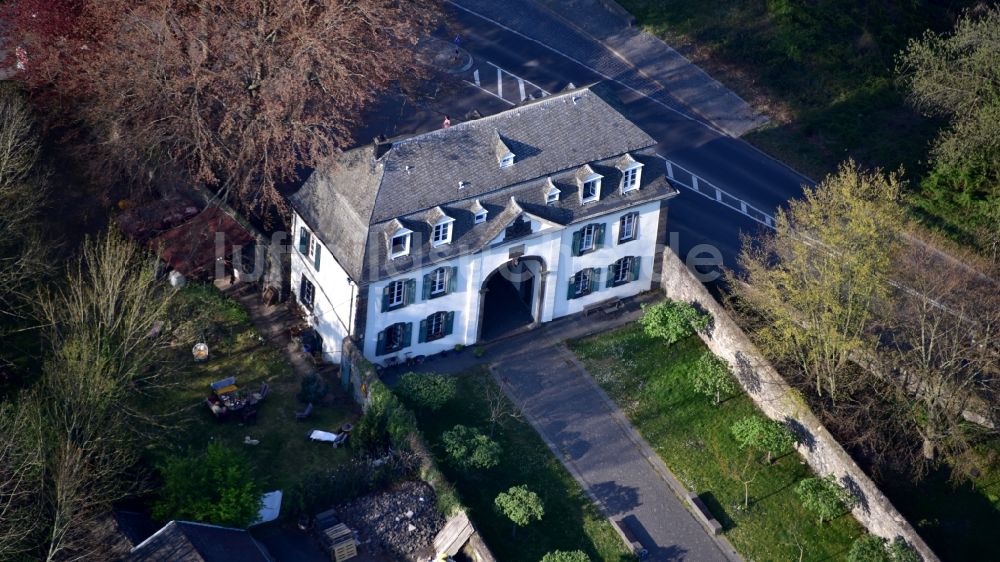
[511, 297]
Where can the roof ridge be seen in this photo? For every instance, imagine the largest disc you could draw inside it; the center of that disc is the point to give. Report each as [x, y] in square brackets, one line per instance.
[488, 118]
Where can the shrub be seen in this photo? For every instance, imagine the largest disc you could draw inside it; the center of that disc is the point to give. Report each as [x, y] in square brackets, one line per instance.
[216, 487]
[761, 433]
[371, 433]
[870, 548]
[673, 321]
[428, 391]
[712, 377]
[520, 505]
[566, 556]
[313, 388]
[824, 497]
[467, 448]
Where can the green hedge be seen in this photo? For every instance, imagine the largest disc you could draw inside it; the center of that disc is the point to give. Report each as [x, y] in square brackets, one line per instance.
[401, 425]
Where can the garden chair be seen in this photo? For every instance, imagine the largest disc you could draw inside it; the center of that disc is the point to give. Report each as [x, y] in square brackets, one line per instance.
[304, 413]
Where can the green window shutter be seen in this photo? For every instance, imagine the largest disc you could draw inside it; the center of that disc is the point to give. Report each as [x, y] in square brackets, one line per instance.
[385, 297]
[411, 292]
[577, 236]
[599, 236]
[303, 240]
[422, 335]
[427, 285]
[452, 279]
[571, 293]
[595, 279]
[319, 252]
[635, 268]
[610, 281]
[380, 345]
[407, 334]
[449, 322]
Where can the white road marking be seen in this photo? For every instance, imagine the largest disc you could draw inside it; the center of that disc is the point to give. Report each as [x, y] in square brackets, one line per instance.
[698, 185]
[499, 82]
[489, 92]
[520, 86]
[475, 76]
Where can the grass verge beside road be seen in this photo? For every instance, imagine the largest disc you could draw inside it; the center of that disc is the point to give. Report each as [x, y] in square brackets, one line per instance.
[650, 381]
[824, 72]
[570, 522]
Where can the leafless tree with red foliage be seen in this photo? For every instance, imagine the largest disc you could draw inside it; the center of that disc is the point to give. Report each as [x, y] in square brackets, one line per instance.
[238, 93]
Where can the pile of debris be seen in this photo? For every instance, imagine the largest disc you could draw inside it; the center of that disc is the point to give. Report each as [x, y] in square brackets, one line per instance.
[402, 521]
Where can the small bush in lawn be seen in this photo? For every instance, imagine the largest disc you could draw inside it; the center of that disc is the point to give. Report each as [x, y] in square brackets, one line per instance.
[216, 486]
[673, 320]
[870, 548]
[566, 556]
[520, 505]
[758, 432]
[824, 497]
[712, 377]
[467, 448]
[313, 388]
[427, 390]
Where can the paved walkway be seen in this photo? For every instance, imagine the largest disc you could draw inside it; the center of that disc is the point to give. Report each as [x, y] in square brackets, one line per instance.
[589, 434]
[602, 40]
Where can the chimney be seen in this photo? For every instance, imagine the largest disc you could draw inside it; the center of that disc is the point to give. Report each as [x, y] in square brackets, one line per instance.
[382, 146]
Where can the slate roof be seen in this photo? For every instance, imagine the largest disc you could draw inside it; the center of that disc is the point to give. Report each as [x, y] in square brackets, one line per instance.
[350, 205]
[183, 541]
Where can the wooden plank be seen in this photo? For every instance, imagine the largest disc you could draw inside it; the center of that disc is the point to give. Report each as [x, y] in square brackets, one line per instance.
[455, 534]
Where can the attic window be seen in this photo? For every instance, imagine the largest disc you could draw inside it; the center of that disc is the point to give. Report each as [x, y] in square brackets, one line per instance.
[400, 244]
[551, 192]
[442, 232]
[591, 189]
[480, 216]
[631, 170]
[507, 160]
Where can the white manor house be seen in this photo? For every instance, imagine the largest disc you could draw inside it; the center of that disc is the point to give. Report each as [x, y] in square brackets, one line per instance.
[414, 246]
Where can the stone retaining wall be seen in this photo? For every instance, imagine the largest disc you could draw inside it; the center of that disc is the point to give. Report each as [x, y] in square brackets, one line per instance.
[779, 401]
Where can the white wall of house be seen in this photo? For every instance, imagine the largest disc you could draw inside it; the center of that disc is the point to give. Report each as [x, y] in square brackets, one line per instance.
[332, 311]
[552, 243]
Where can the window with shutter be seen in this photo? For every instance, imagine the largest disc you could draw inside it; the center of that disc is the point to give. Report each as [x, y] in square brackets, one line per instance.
[436, 326]
[439, 282]
[396, 337]
[307, 293]
[628, 227]
[303, 241]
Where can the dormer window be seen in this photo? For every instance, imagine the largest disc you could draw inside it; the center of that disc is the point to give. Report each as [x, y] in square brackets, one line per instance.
[590, 184]
[505, 156]
[631, 171]
[479, 213]
[442, 232]
[399, 245]
[551, 192]
[591, 190]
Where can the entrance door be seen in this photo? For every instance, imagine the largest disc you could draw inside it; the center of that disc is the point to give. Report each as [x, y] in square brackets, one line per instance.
[508, 298]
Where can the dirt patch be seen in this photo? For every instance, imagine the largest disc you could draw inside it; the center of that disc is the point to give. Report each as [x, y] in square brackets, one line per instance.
[401, 522]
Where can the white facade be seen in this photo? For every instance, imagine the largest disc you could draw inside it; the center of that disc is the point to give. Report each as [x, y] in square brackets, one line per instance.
[332, 311]
[550, 242]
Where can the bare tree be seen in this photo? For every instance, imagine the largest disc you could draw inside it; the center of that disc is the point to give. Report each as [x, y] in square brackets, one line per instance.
[239, 93]
[940, 332]
[22, 192]
[21, 472]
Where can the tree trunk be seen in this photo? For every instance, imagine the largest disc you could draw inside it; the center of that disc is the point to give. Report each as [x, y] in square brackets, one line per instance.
[929, 449]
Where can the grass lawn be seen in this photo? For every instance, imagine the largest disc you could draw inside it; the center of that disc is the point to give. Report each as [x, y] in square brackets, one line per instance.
[650, 382]
[570, 522]
[824, 71]
[284, 455]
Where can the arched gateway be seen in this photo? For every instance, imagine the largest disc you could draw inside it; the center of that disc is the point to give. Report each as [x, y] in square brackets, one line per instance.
[511, 297]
